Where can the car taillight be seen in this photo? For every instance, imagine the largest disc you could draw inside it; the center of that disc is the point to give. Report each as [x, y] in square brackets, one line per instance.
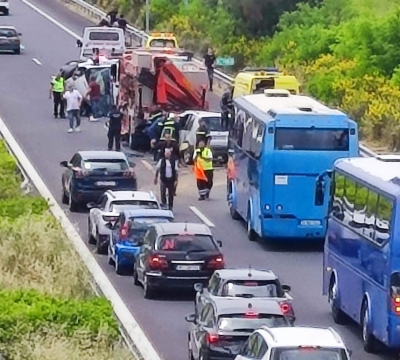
[109, 218]
[286, 308]
[129, 173]
[157, 262]
[216, 263]
[396, 305]
[212, 338]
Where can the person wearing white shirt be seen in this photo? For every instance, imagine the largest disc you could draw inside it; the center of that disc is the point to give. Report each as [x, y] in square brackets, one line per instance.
[74, 100]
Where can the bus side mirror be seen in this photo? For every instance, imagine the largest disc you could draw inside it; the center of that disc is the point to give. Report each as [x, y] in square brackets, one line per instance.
[320, 192]
[79, 43]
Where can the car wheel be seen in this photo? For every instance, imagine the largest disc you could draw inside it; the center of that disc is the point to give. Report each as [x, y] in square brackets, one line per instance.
[73, 206]
[119, 270]
[339, 317]
[102, 249]
[110, 259]
[148, 291]
[17, 51]
[369, 340]
[251, 234]
[135, 276]
[91, 238]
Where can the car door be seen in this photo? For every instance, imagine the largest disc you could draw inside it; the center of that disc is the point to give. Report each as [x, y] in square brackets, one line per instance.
[68, 174]
[144, 252]
[197, 335]
[95, 213]
[194, 125]
[116, 233]
[183, 134]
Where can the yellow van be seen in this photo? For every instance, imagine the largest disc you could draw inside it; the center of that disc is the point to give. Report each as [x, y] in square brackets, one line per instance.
[256, 80]
[161, 40]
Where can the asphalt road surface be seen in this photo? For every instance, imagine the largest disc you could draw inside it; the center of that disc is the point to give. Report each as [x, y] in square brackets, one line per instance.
[25, 107]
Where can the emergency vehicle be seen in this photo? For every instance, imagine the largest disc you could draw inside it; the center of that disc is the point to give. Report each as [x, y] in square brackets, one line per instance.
[161, 40]
[256, 80]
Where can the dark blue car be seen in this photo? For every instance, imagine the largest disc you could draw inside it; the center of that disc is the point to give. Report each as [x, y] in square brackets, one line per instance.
[90, 173]
[127, 233]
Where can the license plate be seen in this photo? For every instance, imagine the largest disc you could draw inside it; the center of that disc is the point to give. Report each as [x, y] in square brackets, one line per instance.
[188, 267]
[310, 223]
[105, 183]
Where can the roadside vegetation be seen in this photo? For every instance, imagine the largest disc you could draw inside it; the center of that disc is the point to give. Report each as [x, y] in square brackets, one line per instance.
[47, 307]
[345, 52]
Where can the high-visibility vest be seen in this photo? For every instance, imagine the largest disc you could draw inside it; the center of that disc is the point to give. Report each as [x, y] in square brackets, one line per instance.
[168, 128]
[205, 153]
[58, 85]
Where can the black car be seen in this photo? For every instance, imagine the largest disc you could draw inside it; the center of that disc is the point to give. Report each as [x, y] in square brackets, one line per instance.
[224, 325]
[246, 283]
[176, 255]
[90, 173]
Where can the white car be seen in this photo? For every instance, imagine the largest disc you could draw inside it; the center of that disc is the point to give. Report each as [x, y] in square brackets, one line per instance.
[108, 208]
[187, 136]
[294, 343]
[4, 7]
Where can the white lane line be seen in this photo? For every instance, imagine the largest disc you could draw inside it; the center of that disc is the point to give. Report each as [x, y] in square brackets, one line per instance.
[201, 216]
[36, 61]
[148, 166]
[121, 311]
[51, 19]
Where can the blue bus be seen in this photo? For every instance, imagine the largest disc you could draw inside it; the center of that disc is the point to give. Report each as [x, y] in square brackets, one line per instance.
[362, 256]
[280, 144]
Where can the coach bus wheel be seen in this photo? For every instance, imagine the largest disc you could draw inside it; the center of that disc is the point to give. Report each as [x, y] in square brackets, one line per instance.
[369, 340]
[251, 234]
[339, 317]
[234, 214]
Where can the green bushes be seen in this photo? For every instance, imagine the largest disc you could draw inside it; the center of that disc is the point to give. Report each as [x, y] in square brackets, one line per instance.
[47, 307]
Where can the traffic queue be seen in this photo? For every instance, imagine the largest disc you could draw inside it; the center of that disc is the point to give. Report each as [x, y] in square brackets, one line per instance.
[239, 313]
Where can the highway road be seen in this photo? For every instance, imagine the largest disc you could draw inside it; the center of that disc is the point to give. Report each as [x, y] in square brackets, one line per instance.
[25, 107]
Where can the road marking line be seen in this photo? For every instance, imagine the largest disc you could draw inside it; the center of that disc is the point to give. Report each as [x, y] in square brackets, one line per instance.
[125, 317]
[36, 61]
[148, 166]
[201, 216]
[51, 19]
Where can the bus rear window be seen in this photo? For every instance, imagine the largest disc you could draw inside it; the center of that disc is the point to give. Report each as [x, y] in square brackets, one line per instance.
[103, 36]
[312, 139]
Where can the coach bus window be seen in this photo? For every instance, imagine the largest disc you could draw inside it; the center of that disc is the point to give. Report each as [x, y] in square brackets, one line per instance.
[247, 135]
[360, 207]
[337, 203]
[312, 139]
[369, 227]
[383, 218]
[349, 199]
[257, 139]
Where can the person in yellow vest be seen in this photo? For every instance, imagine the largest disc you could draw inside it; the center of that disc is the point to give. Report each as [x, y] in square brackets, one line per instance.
[203, 170]
[57, 88]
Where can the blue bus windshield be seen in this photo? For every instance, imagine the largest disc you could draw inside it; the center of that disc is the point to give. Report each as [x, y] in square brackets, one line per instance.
[312, 139]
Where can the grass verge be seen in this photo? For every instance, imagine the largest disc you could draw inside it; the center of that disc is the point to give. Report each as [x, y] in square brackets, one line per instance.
[47, 307]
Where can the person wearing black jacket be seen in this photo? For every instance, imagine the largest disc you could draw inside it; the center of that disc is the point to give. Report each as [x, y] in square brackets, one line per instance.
[114, 128]
[167, 143]
[167, 169]
[202, 133]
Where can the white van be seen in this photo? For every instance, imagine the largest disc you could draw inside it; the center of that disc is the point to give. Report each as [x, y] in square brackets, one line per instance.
[110, 41]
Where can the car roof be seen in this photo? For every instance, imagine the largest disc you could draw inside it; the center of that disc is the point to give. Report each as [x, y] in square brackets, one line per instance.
[7, 27]
[101, 154]
[241, 305]
[243, 274]
[134, 213]
[181, 228]
[303, 336]
[135, 195]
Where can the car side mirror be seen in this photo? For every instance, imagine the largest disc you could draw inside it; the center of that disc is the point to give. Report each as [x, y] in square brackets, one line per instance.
[79, 43]
[64, 164]
[191, 318]
[286, 288]
[19, 34]
[92, 205]
[109, 226]
[219, 242]
[198, 287]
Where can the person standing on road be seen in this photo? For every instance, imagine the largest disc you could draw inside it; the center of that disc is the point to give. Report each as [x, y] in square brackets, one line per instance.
[57, 88]
[94, 93]
[167, 170]
[209, 60]
[74, 100]
[203, 170]
[114, 128]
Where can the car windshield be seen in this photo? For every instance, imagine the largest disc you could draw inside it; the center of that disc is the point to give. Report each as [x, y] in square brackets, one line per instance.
[250, 288]
[308, 353]
[8, 33]
[105, 165]
[103, 36]
[185, 243]
[238, 322]
[139, 225]
[213, 123]
[122, 205]
[164, 43]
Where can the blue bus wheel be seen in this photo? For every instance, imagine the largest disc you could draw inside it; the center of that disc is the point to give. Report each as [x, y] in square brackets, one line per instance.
[339, 317]
[369, 340]
[251, 234]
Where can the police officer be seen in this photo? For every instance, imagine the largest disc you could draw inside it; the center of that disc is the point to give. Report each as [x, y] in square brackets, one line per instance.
[114, 128]
[204, 170]
[171, 126]
[57, 87]
[202, 133]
